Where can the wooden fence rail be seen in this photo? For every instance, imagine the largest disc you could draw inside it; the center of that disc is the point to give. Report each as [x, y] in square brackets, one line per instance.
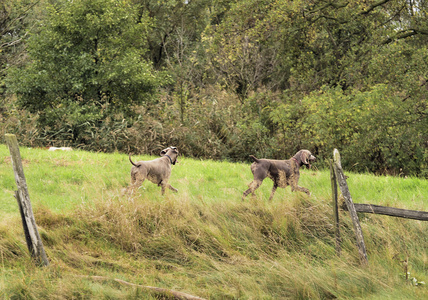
[391, 211]
[336, 173]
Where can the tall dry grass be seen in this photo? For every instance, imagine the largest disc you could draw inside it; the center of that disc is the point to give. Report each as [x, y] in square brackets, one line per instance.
[249, 250]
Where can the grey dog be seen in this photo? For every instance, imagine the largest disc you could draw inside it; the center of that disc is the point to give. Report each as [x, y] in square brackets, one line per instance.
[282, 172]
[157, 170]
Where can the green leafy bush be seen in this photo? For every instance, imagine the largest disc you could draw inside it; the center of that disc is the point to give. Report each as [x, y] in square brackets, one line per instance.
[375, 130]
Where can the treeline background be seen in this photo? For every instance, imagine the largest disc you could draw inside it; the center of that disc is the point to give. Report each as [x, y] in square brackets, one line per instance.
[221, 79]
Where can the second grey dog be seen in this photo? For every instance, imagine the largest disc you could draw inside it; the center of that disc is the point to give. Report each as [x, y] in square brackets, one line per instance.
[282, 172]
[157, 171]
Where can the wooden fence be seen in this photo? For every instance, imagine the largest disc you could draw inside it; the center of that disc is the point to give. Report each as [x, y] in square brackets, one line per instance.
[337, 175]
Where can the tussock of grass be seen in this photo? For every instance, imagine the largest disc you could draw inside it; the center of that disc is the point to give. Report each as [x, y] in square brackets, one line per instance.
[204, 240]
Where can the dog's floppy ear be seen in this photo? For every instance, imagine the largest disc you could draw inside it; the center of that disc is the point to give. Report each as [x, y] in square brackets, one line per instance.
[304, 156]
[163, 152]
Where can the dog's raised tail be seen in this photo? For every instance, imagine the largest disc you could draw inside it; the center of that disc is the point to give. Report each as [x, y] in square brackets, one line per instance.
[255, 159]
[132, 161]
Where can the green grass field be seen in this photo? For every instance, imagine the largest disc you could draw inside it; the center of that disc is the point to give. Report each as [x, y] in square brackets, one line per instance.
[203, 240]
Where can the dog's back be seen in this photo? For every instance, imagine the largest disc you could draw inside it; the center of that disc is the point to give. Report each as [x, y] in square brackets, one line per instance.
[154, 170]
[277, 170]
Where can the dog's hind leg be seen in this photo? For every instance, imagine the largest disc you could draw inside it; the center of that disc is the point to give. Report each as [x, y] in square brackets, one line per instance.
[137, 177]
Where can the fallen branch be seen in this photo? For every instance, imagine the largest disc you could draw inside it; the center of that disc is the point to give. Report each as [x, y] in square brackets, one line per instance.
[160, 291]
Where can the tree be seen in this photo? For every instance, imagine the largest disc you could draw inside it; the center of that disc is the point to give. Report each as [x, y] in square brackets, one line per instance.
[14, 26]
[239, 48]
[174, 43]
[86, 63]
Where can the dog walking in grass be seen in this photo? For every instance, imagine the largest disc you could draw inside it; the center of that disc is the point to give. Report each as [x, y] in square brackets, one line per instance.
[157, 171]
[282, 172]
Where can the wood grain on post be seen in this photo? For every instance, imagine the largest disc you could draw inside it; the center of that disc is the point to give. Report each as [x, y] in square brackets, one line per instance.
[34, 242]
[335, 208]
[351, 208]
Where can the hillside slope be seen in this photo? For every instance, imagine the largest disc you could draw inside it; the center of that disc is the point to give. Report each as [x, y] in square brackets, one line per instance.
[203, 240]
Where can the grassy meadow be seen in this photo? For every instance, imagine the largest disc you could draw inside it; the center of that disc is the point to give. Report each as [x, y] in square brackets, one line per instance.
[203, 240]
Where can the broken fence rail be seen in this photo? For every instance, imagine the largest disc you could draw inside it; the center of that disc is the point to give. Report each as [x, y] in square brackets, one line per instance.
[390, 211]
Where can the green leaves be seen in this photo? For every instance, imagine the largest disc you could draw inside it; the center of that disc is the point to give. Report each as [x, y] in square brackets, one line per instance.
[91, 50]
[374, 129]
[89, 54]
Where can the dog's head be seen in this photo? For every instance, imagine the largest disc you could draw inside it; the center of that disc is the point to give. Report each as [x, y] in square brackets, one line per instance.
[305, 157]
[171, 152]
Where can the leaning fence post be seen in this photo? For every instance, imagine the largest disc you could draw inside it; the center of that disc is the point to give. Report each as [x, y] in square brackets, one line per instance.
[350, 204]
[34, 242]
[335, 208]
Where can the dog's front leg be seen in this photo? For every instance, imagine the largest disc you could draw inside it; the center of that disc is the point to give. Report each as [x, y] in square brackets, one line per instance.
[273, 191]
[172, 188]
[295, 187]
[165, 185]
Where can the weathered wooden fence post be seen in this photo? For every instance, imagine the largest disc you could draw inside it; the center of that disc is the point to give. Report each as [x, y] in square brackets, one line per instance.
[335, 208]
[350, 204]
[34, 242]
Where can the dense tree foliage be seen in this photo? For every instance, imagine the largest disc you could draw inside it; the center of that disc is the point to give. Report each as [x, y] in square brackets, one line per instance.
[86, 63]
[15, 18]
[224, 79]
